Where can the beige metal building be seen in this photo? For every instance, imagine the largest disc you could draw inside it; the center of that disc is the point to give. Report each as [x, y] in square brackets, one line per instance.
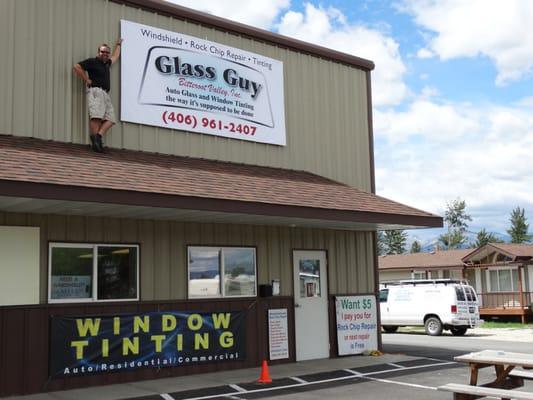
[174, 235]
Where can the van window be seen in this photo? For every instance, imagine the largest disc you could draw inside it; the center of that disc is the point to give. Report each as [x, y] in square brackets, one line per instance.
[459, 293]
[383, 295]
[470, 294]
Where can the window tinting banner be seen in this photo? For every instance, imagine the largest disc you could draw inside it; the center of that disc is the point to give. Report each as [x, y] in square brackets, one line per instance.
[181, 82]
[82, 345]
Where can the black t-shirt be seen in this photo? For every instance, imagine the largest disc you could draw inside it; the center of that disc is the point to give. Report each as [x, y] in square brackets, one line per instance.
[98, 72]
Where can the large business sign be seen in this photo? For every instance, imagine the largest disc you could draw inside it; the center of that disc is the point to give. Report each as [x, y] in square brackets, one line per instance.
[356, 324]
[176, 81]
[81, 345]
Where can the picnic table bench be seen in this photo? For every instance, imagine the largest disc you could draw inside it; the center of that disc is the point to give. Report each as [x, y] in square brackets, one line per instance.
[467, 392]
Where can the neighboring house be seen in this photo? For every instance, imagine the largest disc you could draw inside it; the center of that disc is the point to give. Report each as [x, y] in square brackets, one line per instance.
[502, 274]
[437, 264]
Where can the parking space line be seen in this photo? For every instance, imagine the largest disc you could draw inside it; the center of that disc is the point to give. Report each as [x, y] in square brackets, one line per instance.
[354, 375]
[237, 387]
[166, 396]
[398, 383]
[299, 380]
[352, 372]
[395, 365]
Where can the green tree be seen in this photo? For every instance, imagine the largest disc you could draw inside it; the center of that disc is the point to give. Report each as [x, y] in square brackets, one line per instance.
[483, 237]
[395, 241]
[382, 248]
[519, 226]
[415, 247]
[456, 220]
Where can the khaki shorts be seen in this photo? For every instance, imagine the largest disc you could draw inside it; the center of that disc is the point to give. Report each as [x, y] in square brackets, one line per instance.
[100, 106]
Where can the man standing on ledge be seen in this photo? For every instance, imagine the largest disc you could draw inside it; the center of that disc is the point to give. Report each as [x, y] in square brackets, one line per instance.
[95, 74]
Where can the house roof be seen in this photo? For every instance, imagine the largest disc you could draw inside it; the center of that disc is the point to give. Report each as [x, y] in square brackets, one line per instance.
[514, 251]
[180, 12]
[436, 259]
[53, 170]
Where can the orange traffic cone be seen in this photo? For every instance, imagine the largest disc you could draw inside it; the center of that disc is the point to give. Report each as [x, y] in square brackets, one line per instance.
[265, 375]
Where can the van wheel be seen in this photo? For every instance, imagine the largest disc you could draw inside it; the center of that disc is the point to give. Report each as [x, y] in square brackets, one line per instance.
[390, 328]
[458, 330]
[433, 326]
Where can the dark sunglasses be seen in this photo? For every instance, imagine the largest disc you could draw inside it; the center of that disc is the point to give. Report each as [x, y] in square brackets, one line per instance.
[104, 52]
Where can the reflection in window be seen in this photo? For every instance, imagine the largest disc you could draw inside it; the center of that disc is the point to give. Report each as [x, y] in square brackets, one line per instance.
[204, 272]
[239, 272]
[309, 278]
[117, 272]
[236, 266]
[88, 272]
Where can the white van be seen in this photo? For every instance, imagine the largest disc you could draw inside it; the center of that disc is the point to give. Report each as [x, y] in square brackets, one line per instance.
[436, 304]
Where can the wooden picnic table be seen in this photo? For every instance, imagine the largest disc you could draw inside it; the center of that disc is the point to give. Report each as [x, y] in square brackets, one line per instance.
[503, 361]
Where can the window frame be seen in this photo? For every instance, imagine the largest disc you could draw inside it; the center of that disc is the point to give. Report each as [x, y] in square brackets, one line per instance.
[222, 289]
[424, 274]
[498, 270]
[94, 246]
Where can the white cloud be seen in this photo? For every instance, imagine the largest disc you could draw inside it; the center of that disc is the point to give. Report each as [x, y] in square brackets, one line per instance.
[258, 13]
[427, 119]
[500, 30]
[488, 164]
[424, 53]
[328, 27]
[325, 27]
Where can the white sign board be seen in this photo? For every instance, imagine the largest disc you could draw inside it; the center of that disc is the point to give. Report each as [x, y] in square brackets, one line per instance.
[278, 334]
[182, 82]
[356, 324]
[71, 287]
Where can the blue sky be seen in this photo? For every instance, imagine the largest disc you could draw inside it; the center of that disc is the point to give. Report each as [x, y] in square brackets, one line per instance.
[452, 92]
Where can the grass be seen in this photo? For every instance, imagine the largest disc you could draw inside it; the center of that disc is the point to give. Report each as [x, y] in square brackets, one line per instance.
[499, 325]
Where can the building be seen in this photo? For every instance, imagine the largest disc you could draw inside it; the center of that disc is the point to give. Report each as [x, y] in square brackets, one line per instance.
[434, 265]
[502, 274]
[235, 198]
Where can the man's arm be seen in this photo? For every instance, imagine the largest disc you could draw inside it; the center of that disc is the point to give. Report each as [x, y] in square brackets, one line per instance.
[116, 52]
[78, 70]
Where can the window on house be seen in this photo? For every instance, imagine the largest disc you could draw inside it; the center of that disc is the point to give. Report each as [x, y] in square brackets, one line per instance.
[93, 272]
[418, 275]
[222, 271]
[503, 280]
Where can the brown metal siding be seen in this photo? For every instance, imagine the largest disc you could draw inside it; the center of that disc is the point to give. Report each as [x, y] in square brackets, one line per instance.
[163, 246]
[326, 102]
[24, 342]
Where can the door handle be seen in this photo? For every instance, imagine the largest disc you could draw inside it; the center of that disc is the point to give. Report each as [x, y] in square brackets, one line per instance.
[296, 305]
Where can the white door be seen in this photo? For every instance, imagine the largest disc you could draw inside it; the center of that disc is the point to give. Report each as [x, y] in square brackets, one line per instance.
[311, 304]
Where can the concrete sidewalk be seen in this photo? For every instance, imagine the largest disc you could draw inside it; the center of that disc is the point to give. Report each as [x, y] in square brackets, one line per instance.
[153, 389]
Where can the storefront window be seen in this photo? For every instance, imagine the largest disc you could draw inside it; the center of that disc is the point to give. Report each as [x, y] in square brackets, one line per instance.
[88, 272]
[208, 264]
[72, 273]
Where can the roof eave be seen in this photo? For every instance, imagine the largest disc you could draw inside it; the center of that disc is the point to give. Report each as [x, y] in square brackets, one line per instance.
[51, 191]
[180, 12]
